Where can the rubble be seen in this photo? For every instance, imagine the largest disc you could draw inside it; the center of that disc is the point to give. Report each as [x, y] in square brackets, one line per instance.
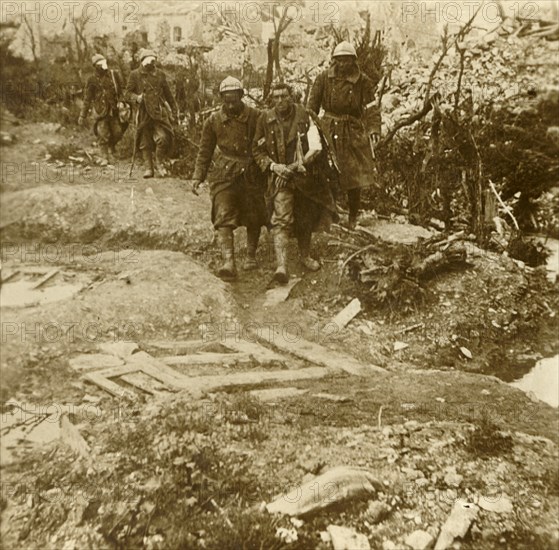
[344, 538]
[348, 484]
[457, 524]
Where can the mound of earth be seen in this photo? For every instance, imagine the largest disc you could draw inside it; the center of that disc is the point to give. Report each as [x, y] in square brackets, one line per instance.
[127, 295]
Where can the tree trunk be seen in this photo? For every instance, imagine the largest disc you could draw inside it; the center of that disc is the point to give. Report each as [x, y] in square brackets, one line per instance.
[269, 68]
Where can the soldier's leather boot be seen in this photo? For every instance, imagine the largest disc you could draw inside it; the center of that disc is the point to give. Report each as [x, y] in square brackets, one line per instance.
[253, 236]
[161, 162]
[227, 271]
[281, 246]
[148, 160]
[304, 240]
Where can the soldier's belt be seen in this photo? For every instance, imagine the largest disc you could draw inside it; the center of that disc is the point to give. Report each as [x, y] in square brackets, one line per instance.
[235, 158]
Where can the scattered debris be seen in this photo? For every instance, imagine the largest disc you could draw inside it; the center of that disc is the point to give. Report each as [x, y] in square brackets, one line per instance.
[279, 294]
[272, 394]
[70, 435]
[398, 346]
[350, 483]
[287, 535]
[344, 538]
[7, 139]
[330, 397]
[344, 317]
[410, 328]
[457, 524]
[501, 504]
[419, 540]
[377, 511]
[466, 352]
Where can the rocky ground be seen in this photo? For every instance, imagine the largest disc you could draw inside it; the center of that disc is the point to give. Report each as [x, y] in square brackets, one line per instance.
[432, 428]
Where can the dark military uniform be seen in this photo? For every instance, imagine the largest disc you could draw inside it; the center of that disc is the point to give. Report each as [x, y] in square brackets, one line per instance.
[348, 122]
[308, 198]
[103, 93]
[235, 182]
[307, 203]
[155, 126]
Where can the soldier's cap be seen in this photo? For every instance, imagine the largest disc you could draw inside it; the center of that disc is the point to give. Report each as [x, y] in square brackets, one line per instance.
[146, 53]
[344, 48]
[230, 84]
[96, 58]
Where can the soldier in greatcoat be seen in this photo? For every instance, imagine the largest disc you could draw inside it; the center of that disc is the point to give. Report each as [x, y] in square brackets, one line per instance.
[236, 187]
[156, 110]
[103, 91]
[351, 122]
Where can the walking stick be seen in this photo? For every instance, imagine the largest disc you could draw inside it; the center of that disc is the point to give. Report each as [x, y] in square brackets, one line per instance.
[135, 140]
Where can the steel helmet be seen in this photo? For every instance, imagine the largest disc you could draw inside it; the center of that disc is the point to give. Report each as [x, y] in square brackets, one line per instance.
[96, 58]
[344, 48]
[230, 84]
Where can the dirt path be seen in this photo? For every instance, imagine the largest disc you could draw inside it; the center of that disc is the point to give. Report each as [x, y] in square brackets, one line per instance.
[140, 255]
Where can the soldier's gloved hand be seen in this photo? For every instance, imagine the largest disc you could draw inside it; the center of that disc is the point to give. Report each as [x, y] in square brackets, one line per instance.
[195, 185]
[282, 170]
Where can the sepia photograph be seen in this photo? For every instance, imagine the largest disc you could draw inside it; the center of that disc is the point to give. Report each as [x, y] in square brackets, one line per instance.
[279, 275]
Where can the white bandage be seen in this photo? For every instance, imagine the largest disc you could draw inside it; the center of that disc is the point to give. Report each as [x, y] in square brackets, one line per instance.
[147, 60]
[313, 137]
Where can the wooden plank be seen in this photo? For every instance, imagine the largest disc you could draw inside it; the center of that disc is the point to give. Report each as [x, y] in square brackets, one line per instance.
[45, 278]
[10, 276]
[258, 351]
[113, 372]
[145, 383]
[315, 353]
[182, 346]
[207, 383]
[344, 317]
[109, 386]
[158, 370]
[207, 359]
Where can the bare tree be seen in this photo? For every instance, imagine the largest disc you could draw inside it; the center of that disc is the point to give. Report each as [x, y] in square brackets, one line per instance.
[82, 47]
[280, 24]
[33, 40]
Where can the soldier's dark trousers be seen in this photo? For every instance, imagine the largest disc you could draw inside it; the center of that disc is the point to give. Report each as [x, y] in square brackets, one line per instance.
[109, 132]
[156, 137]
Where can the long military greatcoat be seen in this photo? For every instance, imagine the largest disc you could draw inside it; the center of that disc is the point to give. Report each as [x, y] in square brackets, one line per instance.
[348, 121]
[225, 159]
[158, 99]
[102, 93]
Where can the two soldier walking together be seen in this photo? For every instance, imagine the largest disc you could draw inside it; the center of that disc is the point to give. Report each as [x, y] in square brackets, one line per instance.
[281, 168]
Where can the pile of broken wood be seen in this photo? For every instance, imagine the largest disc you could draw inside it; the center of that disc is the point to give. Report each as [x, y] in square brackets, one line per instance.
[397, 274]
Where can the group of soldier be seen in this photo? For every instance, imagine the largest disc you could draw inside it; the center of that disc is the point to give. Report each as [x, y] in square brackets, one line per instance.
[281, 168]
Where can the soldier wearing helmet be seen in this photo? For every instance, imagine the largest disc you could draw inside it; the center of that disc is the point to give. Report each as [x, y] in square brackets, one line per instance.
[236, 189]
[103, 91]
[351, 121]
[149, 90]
